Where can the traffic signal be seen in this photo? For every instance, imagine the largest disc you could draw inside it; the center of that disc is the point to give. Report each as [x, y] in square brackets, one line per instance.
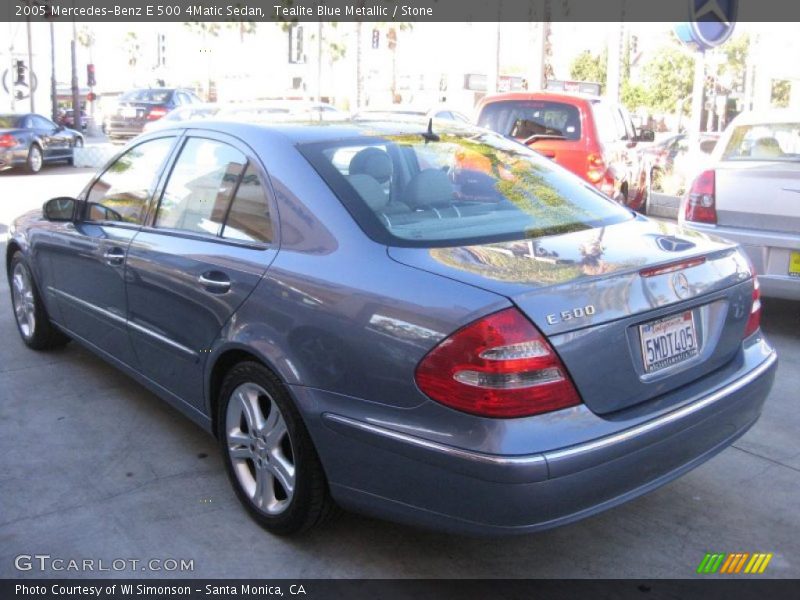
[90, 79]
[20, 68]
[376, 39]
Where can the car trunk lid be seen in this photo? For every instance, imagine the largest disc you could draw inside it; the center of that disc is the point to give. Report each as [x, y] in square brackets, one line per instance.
[592, 292]
[759, 195]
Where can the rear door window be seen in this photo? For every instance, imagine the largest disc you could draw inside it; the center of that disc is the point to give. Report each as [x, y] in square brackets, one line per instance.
[522, 119]
[249, 219]
[123, 191]
[200, 187]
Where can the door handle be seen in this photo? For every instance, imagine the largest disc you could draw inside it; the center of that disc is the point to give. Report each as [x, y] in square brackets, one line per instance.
[114, 256]
[215, 282]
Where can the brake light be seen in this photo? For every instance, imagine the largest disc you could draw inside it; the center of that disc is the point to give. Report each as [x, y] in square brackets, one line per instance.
[498, 366]
[701, 203]
[672, 267]
[7, 141]
[156, 113]
[754, 320]
[596, 167]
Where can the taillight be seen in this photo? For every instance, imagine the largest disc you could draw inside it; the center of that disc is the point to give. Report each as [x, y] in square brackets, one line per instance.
[754, 320]
[596, 167]
[7, 141]
[156, 113]
[701, 203]
[498, 366]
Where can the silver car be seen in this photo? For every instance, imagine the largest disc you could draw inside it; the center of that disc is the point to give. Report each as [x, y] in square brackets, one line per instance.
[751, 195]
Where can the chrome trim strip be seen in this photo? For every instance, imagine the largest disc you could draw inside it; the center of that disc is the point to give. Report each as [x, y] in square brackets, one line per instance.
[533, 459]
[123, 321]
[75, 300]
[161, 338]
[668, 418]
[478, 457]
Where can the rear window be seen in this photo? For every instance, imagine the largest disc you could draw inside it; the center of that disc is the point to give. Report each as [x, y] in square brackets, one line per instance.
[459, 190]
[9, 121]
[522, 119]
[154, 96]
[768, 142]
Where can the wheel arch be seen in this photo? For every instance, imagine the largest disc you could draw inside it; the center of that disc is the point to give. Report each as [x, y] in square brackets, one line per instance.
[11, 248]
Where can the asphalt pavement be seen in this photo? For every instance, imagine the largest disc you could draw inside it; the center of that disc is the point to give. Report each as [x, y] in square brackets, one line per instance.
[93, 466]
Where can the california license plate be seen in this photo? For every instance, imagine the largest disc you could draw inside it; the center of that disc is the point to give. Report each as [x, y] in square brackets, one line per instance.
[668, 341]
[794, 264]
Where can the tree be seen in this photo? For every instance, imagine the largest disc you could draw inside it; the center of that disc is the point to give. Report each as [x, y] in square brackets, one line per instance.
[781, 89]
[668, 79]
[590, 67]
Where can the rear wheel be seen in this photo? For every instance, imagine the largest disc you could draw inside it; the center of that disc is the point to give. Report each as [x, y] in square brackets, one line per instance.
[33, 164]
[268, 453]
[33, 322]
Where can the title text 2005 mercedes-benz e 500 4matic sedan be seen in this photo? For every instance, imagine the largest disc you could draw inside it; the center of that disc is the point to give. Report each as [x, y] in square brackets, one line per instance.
[425, 322]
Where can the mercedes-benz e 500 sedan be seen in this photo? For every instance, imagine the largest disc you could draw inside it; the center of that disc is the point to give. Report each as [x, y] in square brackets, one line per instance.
[425, 322]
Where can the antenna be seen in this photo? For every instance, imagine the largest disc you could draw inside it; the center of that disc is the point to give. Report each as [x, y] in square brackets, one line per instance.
[429, 135]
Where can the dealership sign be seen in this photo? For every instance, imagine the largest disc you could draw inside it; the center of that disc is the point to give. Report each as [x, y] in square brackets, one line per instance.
[712, 22]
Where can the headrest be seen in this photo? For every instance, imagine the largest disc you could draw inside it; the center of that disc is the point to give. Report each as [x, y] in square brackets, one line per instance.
[428, 189]
[766, 147]
[373, 162]
[370, 191]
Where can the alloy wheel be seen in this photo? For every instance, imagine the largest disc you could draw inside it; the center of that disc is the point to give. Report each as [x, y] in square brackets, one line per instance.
[260, 448]
[24, 303]
[35, 159]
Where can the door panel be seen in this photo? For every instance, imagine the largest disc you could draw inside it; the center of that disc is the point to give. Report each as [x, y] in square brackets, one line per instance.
[208, 247]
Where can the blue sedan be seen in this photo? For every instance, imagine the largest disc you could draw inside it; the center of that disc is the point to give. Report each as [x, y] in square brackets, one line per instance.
[420, 321]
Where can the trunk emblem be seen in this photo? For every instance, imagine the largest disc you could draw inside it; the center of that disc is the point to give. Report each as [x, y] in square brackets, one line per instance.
[680, 284]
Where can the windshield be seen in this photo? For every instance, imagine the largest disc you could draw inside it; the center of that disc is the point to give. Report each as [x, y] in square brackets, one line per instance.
[455, 191]
[522, 119]
[9, 121]
[770, 141]
[154, 96]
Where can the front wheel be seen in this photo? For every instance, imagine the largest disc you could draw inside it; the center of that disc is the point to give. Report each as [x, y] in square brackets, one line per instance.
[268, 453]
[33, 322]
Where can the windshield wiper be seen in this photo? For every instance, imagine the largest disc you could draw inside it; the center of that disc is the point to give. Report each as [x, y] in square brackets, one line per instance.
[543, 136]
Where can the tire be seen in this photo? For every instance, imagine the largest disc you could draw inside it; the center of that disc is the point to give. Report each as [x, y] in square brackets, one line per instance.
[78, 143]
[33, 322]
[276, 472]
[35, 160]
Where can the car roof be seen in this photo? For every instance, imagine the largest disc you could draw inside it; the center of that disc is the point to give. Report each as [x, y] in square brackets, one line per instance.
[310, 131]
[775, 115]
[567, 97]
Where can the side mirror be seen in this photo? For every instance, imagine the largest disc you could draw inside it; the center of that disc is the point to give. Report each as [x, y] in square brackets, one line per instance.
[646, 135]
[60, 209]
[707, 146]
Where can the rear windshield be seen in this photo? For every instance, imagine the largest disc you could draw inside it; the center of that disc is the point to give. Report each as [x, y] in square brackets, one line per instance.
[462, 189]
[9, 121]
[522, 119]
[154, 96]
[771, 141]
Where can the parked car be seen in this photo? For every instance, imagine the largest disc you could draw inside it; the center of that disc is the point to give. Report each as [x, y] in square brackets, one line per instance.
[183, 113]
[591, 137]
[68, 119]
[29, 141]
[401, 110]
[138, 107]
[394, 336]
[676, 156]
[751, 194]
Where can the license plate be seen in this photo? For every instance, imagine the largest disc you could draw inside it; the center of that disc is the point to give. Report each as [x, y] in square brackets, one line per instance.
[668, 341]
[127, 112]
[794, 264]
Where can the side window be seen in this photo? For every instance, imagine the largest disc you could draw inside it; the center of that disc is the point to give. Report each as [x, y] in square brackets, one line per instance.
[249, 217]
[200, 187]
[41, 123]
[622, 133]
[123, 191]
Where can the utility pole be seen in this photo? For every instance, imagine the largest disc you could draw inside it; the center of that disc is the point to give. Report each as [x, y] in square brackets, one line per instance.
[11, 67]
[697, 98]
[493, 80]
[76, 98]
[30, 67]
[319, 61]
[53, 85]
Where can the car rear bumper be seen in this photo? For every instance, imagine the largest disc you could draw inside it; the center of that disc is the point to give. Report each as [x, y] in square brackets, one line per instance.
[376, 468]
[122, 129]
[770, 252]
[13, 157]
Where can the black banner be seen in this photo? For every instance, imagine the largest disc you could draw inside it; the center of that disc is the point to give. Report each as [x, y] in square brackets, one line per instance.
[402, 10]
[390, 589]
